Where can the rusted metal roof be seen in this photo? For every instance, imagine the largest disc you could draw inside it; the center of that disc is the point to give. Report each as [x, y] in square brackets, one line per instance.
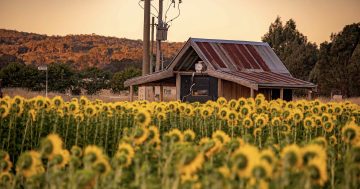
[270, 79]
[239, 55]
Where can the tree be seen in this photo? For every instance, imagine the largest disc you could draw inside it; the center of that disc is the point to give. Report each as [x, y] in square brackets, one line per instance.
[118, 79]
[292, 47]
[94, 79]
[61, 77]
[12, 75]
[338, 67]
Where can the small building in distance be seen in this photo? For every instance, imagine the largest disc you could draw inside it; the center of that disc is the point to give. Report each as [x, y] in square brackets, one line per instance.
[206, 69]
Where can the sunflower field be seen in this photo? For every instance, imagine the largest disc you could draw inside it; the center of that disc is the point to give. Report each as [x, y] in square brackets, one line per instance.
[244, 143]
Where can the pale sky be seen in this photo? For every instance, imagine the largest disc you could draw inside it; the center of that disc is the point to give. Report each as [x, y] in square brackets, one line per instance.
[220, 19]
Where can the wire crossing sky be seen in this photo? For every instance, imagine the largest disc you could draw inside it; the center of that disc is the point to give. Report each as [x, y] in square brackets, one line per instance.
[221, 19]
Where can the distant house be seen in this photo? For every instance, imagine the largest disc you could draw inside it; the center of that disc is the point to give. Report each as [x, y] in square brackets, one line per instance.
[206, 69]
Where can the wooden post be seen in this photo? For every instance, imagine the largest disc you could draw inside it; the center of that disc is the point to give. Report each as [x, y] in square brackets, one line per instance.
[131, 93]
[161, 93]
[309, 94]
[282, 93]
[251, 92]
[220, 88]
[178, 86]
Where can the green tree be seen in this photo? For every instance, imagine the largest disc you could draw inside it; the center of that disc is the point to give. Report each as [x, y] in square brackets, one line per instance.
[61, 77]
[12, 75]
[94, 79]
[118, 79]
[338, 67]
[292, 47]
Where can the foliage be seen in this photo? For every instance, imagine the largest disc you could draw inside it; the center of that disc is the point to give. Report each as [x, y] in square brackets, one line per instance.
[292, 47]
[94, 79]
[118, 79]
[338, 66]
[244, 143]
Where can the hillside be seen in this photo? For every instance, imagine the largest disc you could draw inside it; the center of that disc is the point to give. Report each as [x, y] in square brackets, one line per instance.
[79, 50]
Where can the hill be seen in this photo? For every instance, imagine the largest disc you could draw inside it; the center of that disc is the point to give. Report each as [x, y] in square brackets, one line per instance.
[81, 51]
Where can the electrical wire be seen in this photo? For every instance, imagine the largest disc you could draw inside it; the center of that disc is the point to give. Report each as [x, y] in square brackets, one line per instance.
[150, 11]
[167, 10]
[177, 16]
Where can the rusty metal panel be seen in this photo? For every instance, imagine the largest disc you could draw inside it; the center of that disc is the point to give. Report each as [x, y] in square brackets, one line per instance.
[257, 57]
[210, 53]
[239, 61]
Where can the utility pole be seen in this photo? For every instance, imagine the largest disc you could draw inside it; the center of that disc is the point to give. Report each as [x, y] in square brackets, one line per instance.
[146, 39]
[152, 45]
[159, 37]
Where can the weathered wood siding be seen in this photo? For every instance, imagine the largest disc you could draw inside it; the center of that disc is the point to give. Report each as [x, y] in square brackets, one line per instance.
[231, 90]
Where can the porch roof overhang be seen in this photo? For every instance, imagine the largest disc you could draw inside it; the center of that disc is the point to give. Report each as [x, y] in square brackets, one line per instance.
[149, 78]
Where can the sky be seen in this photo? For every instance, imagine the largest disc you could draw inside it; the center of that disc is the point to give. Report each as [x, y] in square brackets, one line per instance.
[218, 19]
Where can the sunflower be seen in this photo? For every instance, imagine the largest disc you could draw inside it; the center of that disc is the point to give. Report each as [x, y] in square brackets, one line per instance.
[231, 115]
[5, 178]
[286, 114]
[90, 110]
[268, 156]
[5, 165]
[221, 136]
[39, 102]
[57, 102]
[247, 122]
[143, 117]
[221, 101]
[233, 104]
[241, 101]
[51, 146]
[261, 169]
[191, 162]
[73, 107]
[244, 159]
[291, 156]
[321, 141]
[285, 128]
[333, 140]
[175, 135]
[261, 120]
[316, 171]
[223, 112]
[76, 151]
[61, 160]
[350, 133]
[311, 151]
[205, 112]
[224, 171]
[92, 154]
[259, 99]
[29, 164]
[276, 121]
[210, 146]
[102, 166]
[83, 101]
[245, 110]
[189, 111]
[4, 111]
[309, 123]
[140, 135]
[161, 116]
[328, 126]
[297, 115]
[189, 135]
[154, 135]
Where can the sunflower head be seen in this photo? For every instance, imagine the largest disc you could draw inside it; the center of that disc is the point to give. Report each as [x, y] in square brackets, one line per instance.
[175, 135]
[92, 154]
[51, 145]
[243, 160]
[143, 117]
[247, 122]
[76, 151]
[140, 134]
[350, 133]
[6, 179]
[29, 164]
[291, 156]
[60, 160]
[221, 136]
[312, 151]
[221, 101]
[316, 171]
[102, 167]
[189, 135]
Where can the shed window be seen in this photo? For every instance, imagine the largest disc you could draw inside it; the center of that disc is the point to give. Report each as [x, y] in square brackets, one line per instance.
[200, 92]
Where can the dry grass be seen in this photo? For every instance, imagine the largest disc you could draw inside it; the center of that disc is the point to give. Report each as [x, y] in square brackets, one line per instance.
[107, 96]
[104, 95]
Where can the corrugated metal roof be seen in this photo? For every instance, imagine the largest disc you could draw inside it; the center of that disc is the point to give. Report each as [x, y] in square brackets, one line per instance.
[239, 55]
[270, 79]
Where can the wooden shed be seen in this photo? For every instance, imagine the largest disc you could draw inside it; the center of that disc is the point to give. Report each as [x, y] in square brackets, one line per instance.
[206, 69]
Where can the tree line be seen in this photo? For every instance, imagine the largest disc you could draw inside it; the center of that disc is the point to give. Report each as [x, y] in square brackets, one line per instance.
[334, 65]
[64, 78]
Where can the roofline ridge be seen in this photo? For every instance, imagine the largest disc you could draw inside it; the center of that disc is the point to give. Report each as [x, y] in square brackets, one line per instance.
[228, 41]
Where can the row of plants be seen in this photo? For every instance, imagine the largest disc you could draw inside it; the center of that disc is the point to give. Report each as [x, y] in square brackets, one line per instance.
[244, 143]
